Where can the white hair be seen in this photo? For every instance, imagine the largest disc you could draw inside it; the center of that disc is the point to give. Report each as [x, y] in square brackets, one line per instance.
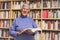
[25, 5]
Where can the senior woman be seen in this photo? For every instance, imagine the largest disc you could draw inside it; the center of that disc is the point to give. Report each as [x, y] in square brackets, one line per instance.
[21, 23]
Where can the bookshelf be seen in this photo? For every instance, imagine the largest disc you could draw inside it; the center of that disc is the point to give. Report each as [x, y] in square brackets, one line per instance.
[46, 14]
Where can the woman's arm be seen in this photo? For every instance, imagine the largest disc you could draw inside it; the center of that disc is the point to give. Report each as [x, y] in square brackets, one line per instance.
[13, 31]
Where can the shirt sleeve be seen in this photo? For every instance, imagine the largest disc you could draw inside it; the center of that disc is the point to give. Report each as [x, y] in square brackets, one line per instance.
[34, 24]
[12, 31]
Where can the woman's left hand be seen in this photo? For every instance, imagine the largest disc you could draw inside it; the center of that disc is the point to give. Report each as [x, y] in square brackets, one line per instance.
[28, 31]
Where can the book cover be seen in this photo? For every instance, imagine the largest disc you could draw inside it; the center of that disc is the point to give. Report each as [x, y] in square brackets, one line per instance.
[45, 14]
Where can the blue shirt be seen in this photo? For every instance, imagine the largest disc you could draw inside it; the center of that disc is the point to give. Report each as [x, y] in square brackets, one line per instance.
[22, 23]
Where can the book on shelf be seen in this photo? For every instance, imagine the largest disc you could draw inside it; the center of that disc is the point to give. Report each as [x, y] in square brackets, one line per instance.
[16, 14]
[59, 35]
[39, 4]
[5, 5]
[46, 4]
[56, 25]
[4, 33]
[45, 14]
[51, 35]
[56, 36]
[54, 3]
[4, 14]
[44, 36]
[0, 32]
[4, 23]
[16, 5]
[58, 13]
[58, 3]
[51, 25]
[3, 39]
[37, 36]
[59, 25]
[50, 14]
[36, 14]
[43, 24]
[55, 12]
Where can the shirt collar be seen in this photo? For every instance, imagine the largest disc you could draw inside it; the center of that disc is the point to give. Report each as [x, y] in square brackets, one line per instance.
[23, 16]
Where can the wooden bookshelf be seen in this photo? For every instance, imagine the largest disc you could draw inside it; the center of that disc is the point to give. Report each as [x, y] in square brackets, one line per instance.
[44, 12]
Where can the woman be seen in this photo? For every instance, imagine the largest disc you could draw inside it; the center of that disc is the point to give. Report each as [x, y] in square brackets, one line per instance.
[20, 24]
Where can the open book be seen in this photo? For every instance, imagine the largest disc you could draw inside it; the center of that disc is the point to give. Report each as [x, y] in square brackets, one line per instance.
[31, 29]
[34, 29]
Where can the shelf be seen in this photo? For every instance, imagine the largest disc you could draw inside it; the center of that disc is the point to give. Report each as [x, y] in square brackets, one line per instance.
[11, 37]
[50, 18]
[4, 9]
[37, 18]
[51, 8]
[51, 30]
[30, 9]
[35, 9]
[4, 18]
[5, 0]
[40, 9]
[4, 37]
[4, 28]
[18, 0]
[33, 18]
[16, 9]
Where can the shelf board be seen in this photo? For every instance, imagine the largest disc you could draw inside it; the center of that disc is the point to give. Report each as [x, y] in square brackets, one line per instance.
[35, 8]
[39, 8]
[22, 0]
[16, 9]
[51, 30]
[4, 37]
[5, 18]
[11, 37]
[37, 18]
[5, 0]
[4, 9]
[52, 8]
[18, 0]
[33, 18]
[50, 18]
[4, 28]
[30, 9]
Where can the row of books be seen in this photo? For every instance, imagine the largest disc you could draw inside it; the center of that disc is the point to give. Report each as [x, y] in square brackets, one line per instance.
[18, 5]
[32, 4]
[5, 5]
[38, 4]
[51, 3]
[51, 25]
[4, 23]
[16, 14]
[38, 23]
[37, 14]
[51, 35]
[4, 14]
[32, 14]
[4, 33]
[3, 39]
[51, 14]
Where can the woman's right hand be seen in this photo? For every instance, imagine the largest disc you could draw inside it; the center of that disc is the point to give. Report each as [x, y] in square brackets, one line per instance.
[21, 31]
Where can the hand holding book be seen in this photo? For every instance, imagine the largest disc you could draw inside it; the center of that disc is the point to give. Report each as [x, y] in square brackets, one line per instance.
[29, 30]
